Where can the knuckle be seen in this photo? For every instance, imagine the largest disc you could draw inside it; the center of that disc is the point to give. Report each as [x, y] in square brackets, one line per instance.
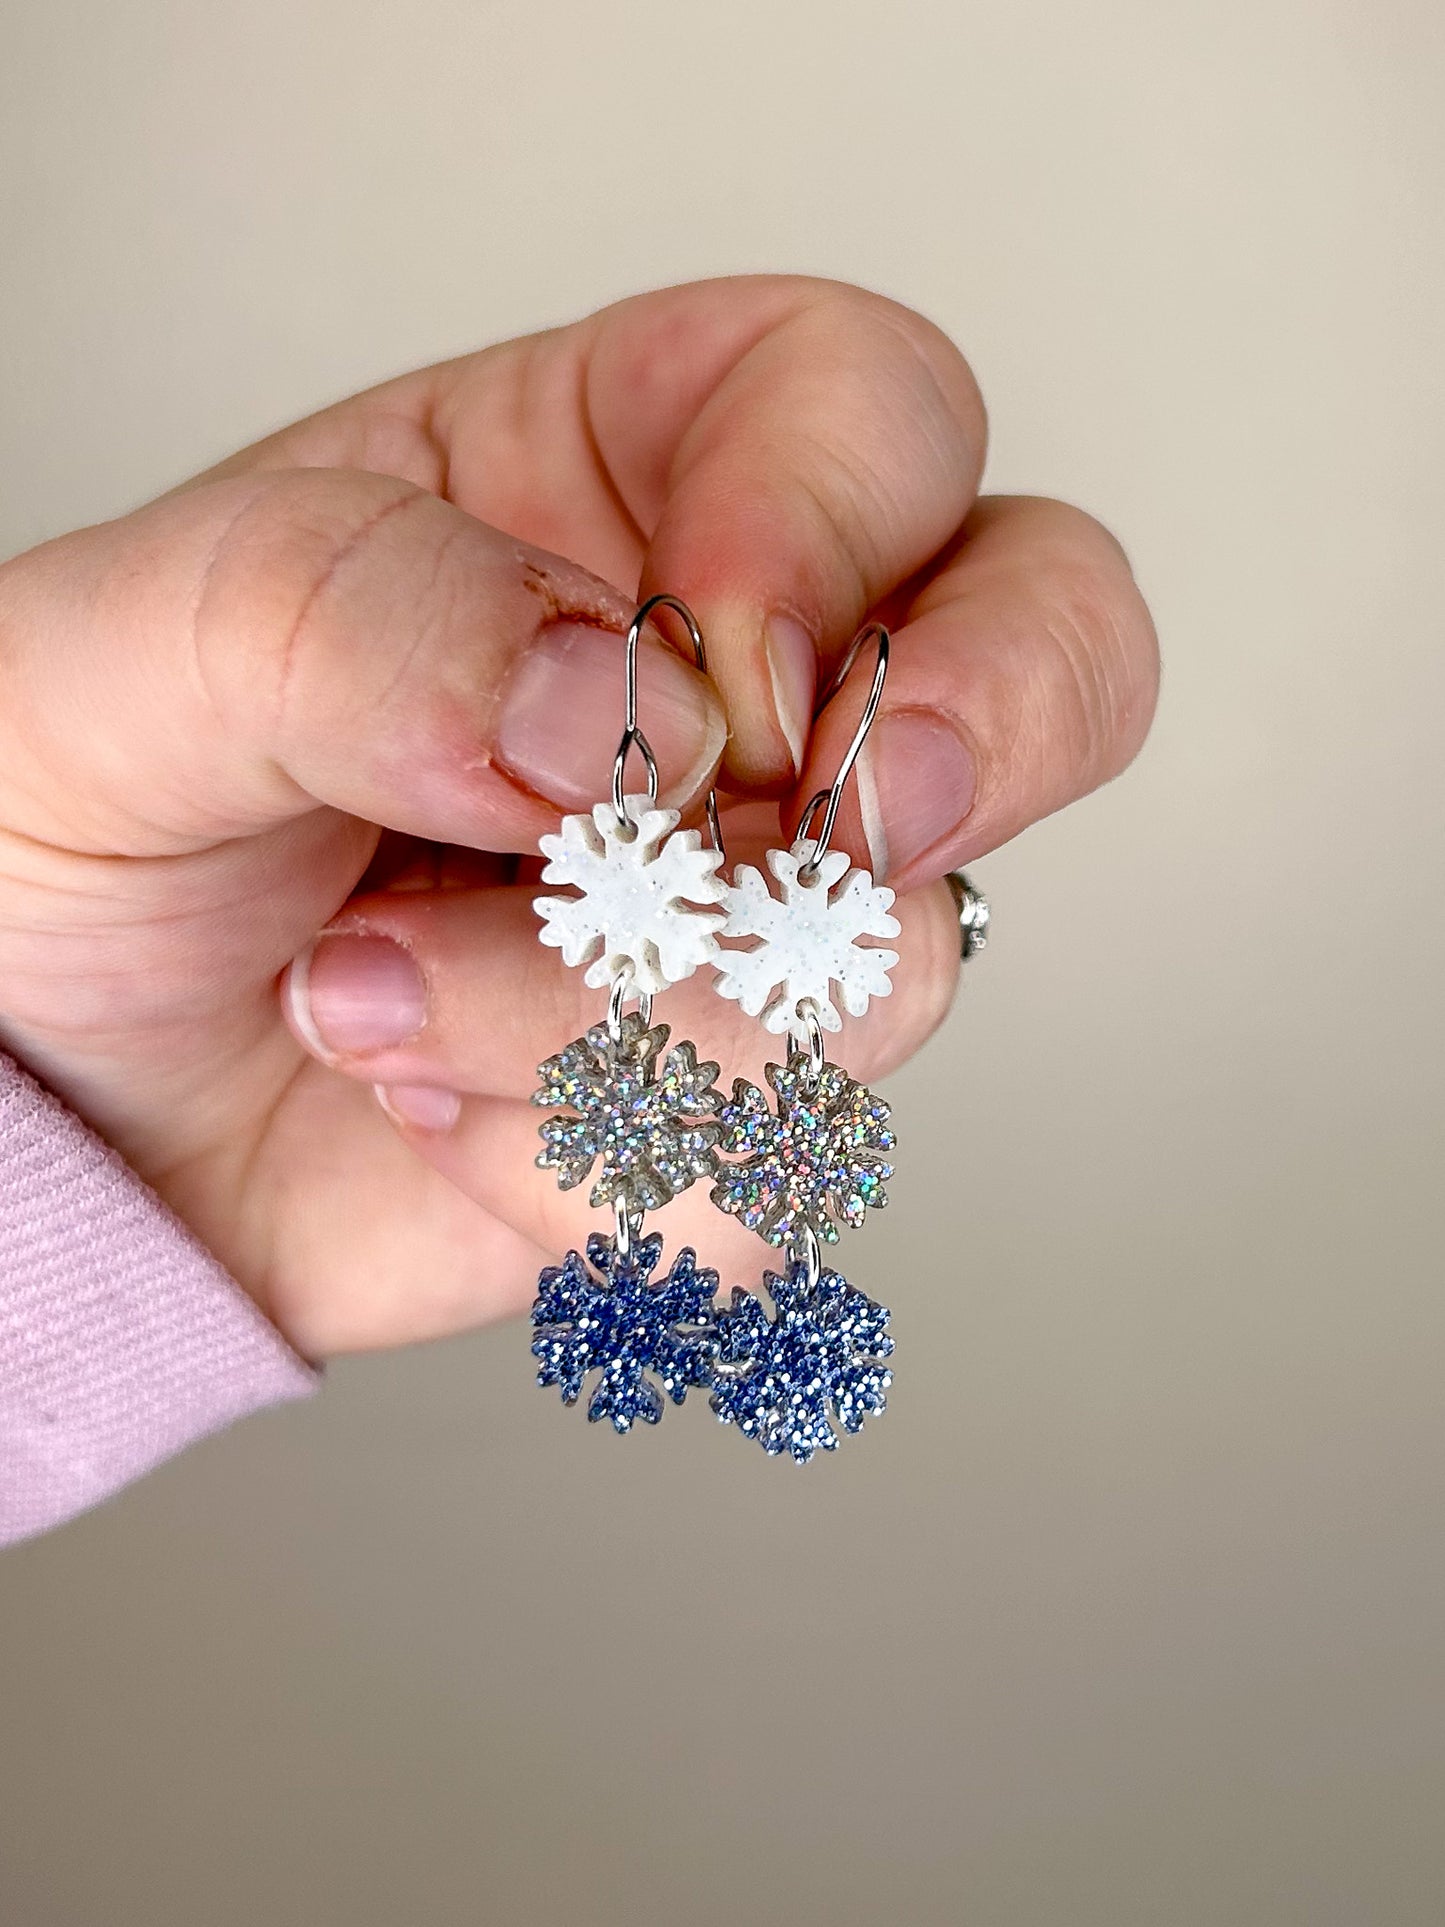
[932, 371]
[19, 604]
[277, 547]
[853, 519]
[1074, 534]
[892, 460]
[942, 363]
[1091, 648]
[1101, 662]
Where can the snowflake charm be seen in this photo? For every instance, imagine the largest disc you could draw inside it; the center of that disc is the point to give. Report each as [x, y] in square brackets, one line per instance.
[612, 1320]
[641, 881]
[649, 1118]
[820, 1156]
[780, 1380]
[807, 942]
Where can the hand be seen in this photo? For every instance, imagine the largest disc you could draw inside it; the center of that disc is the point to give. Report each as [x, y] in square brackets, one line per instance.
[320, 688]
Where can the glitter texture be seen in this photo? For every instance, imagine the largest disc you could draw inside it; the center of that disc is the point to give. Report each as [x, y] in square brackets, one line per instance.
[782, 1380]
[817, 1158]
[650, 1119]
[613, 1321]
[640, 880]
[807, 941]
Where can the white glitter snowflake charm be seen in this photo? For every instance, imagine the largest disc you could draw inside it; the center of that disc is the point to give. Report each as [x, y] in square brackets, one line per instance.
[641, 881]
[808, 942]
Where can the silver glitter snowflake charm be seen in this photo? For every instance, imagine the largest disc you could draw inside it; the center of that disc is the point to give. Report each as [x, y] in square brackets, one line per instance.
[807, 941]
[784, 1380]
[641, 1339]
[644, 887]
[819, 1156]
[648, 1119]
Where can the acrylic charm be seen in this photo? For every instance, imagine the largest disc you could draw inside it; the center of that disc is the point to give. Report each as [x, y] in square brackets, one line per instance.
[643, 887]
[804, 1359]
[639, 1118]
[604, 1319]
[644, 1116]
[818, 1156]
[807, 940]
[784, 1380]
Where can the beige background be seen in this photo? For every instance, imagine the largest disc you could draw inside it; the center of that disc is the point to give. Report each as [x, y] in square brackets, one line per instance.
[1131, 1609]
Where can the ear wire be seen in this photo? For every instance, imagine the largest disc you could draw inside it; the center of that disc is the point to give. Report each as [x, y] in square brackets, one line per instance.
[834, 796]
[632, 736]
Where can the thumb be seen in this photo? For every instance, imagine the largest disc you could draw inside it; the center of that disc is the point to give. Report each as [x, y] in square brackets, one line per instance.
[230, 657]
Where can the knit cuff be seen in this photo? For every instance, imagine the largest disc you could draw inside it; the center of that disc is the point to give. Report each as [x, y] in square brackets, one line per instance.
[121, 1338]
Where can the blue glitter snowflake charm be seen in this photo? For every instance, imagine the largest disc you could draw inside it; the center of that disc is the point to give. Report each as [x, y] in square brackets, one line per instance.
[612, 1320]
[781, 1380]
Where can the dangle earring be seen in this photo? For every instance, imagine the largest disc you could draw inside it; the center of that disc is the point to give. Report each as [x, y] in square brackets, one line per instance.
[645, 1116]
[819, 1154]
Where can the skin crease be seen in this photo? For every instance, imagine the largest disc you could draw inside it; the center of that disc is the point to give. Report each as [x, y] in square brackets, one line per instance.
[317, 687]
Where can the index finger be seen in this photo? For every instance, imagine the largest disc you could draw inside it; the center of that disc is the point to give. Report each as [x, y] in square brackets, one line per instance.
[782, 452]
[827, 466]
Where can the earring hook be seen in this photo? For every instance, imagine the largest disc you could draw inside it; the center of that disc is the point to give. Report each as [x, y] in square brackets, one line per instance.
[834, 796]
[632, 735]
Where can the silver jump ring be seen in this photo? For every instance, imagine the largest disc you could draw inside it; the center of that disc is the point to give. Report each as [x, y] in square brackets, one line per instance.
[632, 735]
[834, 796]
[627, 1228]
[817, 1050]
[973, 913]
[812, 1255]
[617, 998]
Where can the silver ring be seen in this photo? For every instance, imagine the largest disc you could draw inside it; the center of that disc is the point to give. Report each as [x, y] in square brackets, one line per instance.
[973, 914]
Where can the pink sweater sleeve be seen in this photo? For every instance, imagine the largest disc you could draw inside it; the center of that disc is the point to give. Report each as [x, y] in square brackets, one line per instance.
[121, 1338]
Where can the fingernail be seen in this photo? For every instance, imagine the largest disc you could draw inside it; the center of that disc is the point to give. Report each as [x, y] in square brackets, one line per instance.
[562, 715]
[353, 991]
[916, 783]
[425, 1107]
[793, 671]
